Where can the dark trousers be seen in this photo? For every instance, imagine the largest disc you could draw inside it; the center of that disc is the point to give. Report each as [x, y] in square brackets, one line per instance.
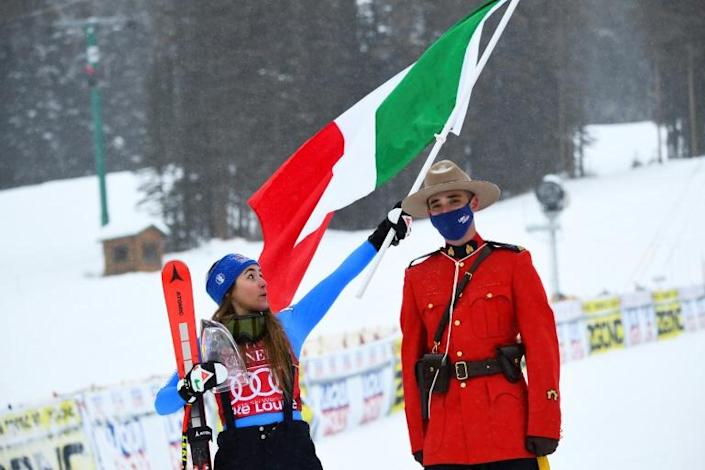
[280, 446]
[518, 464]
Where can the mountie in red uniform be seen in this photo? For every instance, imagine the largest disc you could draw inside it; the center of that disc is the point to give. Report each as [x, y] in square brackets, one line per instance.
[484, 418]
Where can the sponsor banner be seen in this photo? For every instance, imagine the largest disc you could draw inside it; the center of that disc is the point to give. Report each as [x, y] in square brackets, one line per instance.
[347, 362]
[604, 327]
[350, 387]
[692, 299]
[563, 342]
[44, 437]
[377, 398]
[172, 428]
[68, 450]
[331, 403]
[125, 430]
[639, 318]
[567, 310]
[398, 403]
[569, 329]
[306, 411]
[37, 422]
[669, 316]
[602, 306]
[578, 340]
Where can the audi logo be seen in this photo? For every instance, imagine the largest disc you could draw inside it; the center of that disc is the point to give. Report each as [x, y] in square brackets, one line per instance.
[253, 387]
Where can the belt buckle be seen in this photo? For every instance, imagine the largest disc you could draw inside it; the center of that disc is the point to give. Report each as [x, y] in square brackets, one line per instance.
[461, 370]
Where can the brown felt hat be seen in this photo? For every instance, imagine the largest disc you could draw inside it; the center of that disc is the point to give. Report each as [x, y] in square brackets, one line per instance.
[447, 176]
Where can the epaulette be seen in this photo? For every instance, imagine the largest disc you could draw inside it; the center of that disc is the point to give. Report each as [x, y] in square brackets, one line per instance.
[427, 255]
[505, 246]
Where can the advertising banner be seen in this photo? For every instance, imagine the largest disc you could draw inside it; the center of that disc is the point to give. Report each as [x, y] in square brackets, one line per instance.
[669, 316]
[604, 324]
[692, 300]
[570, 328]
[49, 436]
[398, 403]
[350, 387]
[639, 318]
[125, 430]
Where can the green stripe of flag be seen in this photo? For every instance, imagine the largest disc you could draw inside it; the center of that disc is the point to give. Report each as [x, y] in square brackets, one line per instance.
[420, 105]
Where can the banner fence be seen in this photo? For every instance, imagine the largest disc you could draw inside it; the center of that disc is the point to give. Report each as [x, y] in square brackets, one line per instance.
[346, 381]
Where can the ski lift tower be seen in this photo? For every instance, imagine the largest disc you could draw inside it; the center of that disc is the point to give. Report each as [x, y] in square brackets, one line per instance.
[553, 199]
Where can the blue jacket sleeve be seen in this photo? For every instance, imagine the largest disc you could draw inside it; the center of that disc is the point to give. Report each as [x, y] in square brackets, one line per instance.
[300, 319]
[168, 399]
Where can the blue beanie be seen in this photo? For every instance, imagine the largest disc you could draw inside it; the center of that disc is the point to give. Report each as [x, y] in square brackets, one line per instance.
[223, 274]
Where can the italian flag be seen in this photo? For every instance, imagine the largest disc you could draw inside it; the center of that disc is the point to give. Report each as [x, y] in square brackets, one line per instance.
[361, 150]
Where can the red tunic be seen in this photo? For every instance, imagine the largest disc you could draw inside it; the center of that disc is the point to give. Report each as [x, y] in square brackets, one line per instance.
[483, 419]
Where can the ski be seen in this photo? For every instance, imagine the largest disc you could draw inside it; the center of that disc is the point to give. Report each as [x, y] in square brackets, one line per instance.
[178, 294]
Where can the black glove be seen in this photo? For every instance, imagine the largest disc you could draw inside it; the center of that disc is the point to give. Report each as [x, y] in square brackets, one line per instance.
[200, 378]
[401, 229]
[418, 456]
[540, 446]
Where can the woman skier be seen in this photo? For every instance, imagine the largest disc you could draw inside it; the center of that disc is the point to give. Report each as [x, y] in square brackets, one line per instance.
[261, 415]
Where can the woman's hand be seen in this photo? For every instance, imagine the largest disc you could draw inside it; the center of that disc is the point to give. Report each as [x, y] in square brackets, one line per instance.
[200, 378]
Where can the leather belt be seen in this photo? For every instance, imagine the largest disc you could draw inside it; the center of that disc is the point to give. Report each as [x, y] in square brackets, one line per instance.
[468, 369]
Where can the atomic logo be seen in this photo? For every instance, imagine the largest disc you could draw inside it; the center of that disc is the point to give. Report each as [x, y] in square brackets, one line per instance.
[175, 276]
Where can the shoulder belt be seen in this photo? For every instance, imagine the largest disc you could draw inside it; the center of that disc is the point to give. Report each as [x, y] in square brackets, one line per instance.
[505, 246]
[427, 255]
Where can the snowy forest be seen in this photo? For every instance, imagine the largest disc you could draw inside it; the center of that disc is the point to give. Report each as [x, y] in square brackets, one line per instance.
[208, 99]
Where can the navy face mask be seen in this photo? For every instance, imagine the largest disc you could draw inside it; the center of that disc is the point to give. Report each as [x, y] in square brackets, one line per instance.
[453, 225]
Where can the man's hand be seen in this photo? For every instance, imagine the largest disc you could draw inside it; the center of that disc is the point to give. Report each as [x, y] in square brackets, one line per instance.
[541, 446]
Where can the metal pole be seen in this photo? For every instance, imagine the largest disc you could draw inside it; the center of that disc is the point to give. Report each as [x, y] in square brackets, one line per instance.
[460, 106]
[93, 56]
[552, 227]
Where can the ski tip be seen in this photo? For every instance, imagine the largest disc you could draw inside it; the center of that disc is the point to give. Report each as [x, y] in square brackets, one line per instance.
[175, 270]
[173, 262]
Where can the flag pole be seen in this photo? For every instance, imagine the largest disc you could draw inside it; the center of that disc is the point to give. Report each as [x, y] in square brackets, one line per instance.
[441, 139]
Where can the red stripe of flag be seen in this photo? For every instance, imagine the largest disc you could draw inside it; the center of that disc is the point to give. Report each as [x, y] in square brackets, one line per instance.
[284, 204]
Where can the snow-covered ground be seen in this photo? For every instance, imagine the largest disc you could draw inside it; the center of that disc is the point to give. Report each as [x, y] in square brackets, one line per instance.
[638, 409]
[615, 148]
[64, 327]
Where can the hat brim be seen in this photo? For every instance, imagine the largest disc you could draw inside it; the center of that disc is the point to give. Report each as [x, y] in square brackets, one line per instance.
[417, 204]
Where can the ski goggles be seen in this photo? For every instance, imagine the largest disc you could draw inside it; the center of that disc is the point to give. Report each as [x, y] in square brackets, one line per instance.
[248, 328]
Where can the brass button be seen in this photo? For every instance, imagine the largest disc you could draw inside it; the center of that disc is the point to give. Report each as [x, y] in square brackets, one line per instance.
[456, 322]
[459, 353]
[430, 305]
[463, 384]
[489, 295]
[462, 264]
